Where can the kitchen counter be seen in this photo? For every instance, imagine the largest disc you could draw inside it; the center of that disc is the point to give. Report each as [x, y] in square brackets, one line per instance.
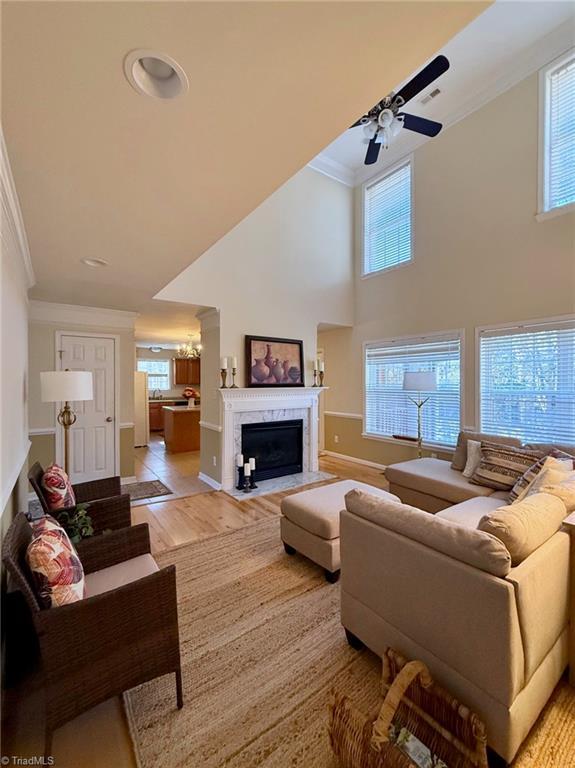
[181, 428]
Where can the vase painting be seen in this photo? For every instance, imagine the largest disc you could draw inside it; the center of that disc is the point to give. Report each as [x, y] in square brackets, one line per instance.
[272, 362]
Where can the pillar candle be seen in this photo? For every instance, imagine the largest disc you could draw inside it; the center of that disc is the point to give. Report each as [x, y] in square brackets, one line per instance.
[252, 464]
[224, 363]
[234, 362]
[321, 365]
[247, 470]
[240, 459]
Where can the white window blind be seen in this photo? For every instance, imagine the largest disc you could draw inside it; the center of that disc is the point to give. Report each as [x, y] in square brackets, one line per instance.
[158, 373]
[388, 410]
[560, 135]
[527, 382]
[387, 221]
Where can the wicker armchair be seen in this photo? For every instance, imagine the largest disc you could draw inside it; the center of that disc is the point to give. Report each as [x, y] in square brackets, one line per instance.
[124, 633]
[109, 508]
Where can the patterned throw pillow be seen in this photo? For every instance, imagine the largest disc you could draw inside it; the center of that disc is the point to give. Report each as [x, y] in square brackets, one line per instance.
[554, 460]
[55, 566]
[58, 488]
[502, 465]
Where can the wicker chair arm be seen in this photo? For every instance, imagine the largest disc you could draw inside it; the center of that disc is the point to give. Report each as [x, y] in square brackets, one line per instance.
[114, 547]
[97, 489]
[100, 646]
[110, 514]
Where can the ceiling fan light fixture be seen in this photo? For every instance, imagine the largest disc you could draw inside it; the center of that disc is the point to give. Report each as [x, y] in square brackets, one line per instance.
[155, 74]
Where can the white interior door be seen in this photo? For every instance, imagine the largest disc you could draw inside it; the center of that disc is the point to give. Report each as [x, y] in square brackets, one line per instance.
[93, 436]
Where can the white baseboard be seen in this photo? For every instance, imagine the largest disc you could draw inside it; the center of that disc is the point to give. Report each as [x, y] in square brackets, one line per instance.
[210, 481]
[354, 459]
[127, 480]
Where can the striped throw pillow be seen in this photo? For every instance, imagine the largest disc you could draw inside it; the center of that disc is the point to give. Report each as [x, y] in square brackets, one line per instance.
[555, 459]
[502, 465]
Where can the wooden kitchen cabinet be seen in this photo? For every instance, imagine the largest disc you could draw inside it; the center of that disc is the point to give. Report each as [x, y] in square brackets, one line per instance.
[187, 371]
[156, 417]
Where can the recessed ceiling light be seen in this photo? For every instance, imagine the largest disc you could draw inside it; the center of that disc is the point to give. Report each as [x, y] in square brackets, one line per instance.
[94, 262]
[155, 74]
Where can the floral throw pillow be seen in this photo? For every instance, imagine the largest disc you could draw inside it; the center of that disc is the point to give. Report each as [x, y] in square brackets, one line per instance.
[56, 568]
[58, 488]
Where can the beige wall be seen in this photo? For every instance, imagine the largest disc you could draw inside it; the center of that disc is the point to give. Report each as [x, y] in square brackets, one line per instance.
[42, 350]
[282, 270]
[480, 255]
[210, 444]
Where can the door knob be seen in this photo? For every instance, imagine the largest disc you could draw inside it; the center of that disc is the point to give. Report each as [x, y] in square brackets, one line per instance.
[109, 418]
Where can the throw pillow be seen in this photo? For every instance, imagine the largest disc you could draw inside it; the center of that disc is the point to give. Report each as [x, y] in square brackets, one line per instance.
[473, 457]
[550, 476]
[459, 458]
[552, 461]
[564, 490]
[502, 465]
[525, 525]
[59, 491]
[55, 566]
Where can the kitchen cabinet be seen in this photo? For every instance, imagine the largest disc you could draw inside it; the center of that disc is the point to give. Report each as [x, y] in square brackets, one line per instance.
[181, 428]
[187, 371]
[156, 417]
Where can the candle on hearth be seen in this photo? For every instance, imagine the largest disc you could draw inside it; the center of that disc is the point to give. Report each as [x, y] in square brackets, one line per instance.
[252, 464]
[240, 460]
[224, 364]
[321, 365]
[247, 470]
[234, 362]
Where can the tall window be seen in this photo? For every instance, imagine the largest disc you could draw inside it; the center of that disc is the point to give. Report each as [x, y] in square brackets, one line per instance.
[388, 410]
[558, 147]
[527, 382]
[158, 373]
[387, 221]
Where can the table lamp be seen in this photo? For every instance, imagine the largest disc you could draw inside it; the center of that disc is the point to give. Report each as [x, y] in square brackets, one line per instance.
[419, 381]
[66, 387]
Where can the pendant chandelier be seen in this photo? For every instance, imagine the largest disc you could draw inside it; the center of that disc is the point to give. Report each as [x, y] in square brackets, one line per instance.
[189, 349]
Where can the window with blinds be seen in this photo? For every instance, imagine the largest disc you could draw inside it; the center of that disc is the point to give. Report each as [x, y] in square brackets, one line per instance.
[389, 411]
[559, 130]
[527, 382]
[158, 373]
[387, 221]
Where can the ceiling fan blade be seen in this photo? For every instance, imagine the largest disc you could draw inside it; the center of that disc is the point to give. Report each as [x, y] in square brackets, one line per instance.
[372, 152]
[428, 74]
[420, 124]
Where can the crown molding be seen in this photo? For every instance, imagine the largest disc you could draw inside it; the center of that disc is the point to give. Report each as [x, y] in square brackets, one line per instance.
[334, 169]
[49, 312]
[13, 236]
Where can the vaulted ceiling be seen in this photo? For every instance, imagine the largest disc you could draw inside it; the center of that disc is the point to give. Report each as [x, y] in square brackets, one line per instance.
[148, 184]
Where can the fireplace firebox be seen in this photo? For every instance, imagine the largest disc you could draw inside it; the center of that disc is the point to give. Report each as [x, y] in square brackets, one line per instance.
[277, 447]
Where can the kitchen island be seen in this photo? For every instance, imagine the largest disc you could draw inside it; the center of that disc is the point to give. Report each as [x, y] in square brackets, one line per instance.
[181, 428]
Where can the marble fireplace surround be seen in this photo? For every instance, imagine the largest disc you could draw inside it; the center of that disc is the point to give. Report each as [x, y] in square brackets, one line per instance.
[251, 406]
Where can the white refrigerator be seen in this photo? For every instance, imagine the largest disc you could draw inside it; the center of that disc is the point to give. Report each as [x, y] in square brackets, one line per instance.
[141, 410]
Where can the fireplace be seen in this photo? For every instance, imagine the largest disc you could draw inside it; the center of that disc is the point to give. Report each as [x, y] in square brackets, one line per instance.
[277, 447]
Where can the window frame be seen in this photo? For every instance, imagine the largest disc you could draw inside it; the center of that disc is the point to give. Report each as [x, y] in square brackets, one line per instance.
[157, 360]
[407, 160]
[543, 210]
[458, 333]
[541, 321]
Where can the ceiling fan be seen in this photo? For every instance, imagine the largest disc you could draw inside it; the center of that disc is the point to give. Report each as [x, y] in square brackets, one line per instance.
[384, 121]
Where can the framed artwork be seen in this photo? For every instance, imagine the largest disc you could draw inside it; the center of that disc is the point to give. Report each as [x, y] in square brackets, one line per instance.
[274, 362]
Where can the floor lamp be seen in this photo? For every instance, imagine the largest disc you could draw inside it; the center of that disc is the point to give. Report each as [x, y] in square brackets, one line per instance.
[66, 387]
[419, 381]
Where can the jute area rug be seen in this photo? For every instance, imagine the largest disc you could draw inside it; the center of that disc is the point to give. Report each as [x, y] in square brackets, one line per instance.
[262, 647]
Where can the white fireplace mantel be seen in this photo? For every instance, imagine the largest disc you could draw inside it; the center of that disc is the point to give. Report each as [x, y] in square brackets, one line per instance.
[237, 402]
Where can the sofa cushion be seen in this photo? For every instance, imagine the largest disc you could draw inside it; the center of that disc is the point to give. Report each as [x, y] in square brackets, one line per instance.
[502, 465]
[460, 455]
[525, 525]
[469, 513]
[476, 548]
[118, 575]
[435, 478]
[317, 510]
[546, 448]
[549, 476]
[564, 490]
[525, 482]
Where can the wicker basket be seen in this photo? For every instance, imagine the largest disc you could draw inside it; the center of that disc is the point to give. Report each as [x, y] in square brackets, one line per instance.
[413, 701]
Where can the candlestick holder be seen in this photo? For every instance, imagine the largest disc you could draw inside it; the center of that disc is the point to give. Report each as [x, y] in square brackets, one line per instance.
[314, 377]
[246, 488]
[240, 485]
[253, 480]
[234, 385]
[224, 375]
[321, 375]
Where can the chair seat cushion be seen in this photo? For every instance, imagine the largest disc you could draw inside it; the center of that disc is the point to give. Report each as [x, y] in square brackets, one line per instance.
[469, 513]
[435, 478]
[317, 511]
[118, 575]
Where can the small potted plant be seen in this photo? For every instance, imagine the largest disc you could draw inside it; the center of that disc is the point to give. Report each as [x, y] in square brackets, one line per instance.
[76, 522]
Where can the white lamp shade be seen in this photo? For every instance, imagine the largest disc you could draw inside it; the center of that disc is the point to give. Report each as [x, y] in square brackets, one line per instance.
[59, 386]
[420, 381]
